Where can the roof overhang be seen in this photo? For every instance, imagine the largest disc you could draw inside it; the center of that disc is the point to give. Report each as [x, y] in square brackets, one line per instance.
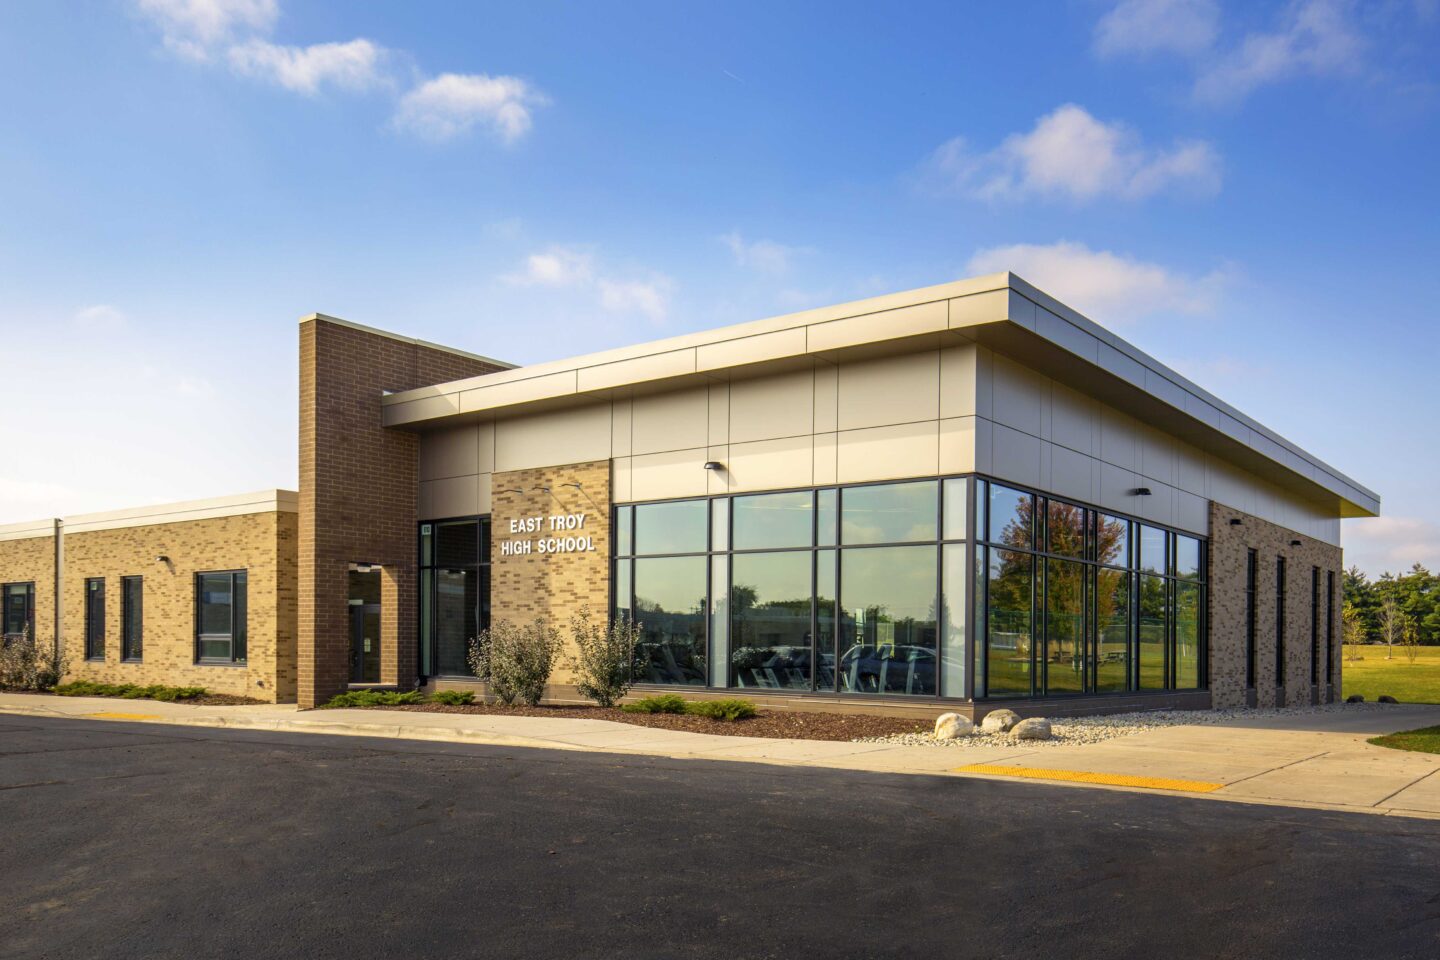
[1001, 311]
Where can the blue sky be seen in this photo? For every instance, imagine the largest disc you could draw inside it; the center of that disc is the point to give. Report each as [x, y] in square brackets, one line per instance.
[1247, 191]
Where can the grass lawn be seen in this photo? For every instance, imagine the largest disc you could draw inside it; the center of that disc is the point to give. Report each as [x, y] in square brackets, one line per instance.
[1372, 676]
[1424, 740]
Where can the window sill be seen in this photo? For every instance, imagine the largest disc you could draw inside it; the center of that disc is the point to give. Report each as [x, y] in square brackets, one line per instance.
[222, 663]
[132, 659]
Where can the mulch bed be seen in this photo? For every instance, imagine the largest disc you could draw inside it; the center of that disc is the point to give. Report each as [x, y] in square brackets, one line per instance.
[770, 724]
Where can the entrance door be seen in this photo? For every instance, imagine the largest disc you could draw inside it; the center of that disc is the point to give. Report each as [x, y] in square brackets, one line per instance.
[365, 643]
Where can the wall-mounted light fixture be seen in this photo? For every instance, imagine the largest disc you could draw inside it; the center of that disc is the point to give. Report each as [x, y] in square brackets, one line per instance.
[540, 489]
[1294, 543]
[1235, 521]
[514, 491]
[714, 465]
[575, 485]
[1140, 492]
[162, 559]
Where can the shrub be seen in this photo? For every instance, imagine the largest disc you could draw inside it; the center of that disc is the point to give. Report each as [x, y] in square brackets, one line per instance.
[375, 698]
[604, 658]
[453, 698]
[128, 691]
[728, 710]
[26, 665]
[664, 703]
[516, 660]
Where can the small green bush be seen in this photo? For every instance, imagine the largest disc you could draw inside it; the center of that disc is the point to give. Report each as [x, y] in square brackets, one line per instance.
[375, 698]
[27, 665]
[664, 703]
[728, 710]
[604, 658]
[128, 691]
[453, 698]
[517, 660]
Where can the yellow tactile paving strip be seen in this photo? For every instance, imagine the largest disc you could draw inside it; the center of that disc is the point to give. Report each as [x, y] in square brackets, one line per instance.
[1082, 776]
[124, 716]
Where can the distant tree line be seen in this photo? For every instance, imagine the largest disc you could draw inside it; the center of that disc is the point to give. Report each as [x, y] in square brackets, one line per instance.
[1383, 609]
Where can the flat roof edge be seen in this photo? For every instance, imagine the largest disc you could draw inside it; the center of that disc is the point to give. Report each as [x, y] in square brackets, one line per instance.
[271, 500]
[404, 339]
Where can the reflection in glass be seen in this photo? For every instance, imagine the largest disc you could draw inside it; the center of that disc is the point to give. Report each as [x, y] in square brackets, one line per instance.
[624, 546]
[773, 520]
[1187, 636]
[956, 496]
[1065, 529]
[670, 605]
[827, 517]
[1187, 557]
[457, 543]
[623, 589]
[1152, 633]
[1112, 536]
[1152, 549]
[1064, 627]
[955, 582]
[720, 620]
[1007, 648]
[889, 513]
[1012, 517]
[679, 526]
[888, 631]
[825, 603]
[720, 524]
[770, 620]
[1112, 613]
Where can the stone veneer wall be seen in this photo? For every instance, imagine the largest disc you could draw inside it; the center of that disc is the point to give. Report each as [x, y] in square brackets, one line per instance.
[262, 544]
[32, 560]
[553, 586]
[358, 494]
[1229, 547]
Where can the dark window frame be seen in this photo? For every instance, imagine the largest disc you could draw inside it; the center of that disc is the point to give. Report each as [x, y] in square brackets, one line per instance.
[1280, 588]
[1252, 574]
[1314, 626]
[239, 579]
[95, 611]
[132, 633]
[427, 598]
[1329, 627]
[28, 627]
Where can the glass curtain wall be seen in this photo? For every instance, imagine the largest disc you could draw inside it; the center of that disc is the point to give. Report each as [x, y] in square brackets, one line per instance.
[454, 592]
[1073, 600]
[843, 590]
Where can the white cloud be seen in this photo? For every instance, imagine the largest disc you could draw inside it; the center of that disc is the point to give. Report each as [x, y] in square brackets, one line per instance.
[1380, 544]
[1108, 287]
[1158, 26]
[192, 28]
[1071, 154]
[451, 104]
[766, 256]
[1315, 37]
[101, 316]
[570, 267]
[353, 65]
[555, 267]
[648, 297]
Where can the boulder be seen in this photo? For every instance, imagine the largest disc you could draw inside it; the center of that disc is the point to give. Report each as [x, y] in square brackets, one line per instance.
[1355, 698]
[999, 721]
[1387, 699]
[1035, 728]
[950, 726]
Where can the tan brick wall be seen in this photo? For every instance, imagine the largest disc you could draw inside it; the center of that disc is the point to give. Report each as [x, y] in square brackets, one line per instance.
[359, 487]
[551, 585]
[32, 560]
[1229, 546]
[262, 544]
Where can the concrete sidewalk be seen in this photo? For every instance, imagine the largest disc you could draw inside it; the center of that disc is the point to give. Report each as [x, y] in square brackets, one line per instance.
[1309, 760]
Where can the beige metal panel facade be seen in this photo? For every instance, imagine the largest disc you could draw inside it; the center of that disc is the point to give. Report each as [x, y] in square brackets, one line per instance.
[572, 435]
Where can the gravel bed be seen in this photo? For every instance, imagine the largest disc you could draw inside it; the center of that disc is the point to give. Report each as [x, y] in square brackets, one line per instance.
[1076, 730]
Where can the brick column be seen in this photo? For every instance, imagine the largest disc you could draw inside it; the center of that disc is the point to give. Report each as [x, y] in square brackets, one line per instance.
[359, 486]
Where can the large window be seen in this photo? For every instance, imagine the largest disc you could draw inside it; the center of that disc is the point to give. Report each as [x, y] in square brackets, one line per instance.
[220, 617]
[17, 611]
[881, 588]
[1251, 573]
[1279, 621]
[95, 618]
[1330, 626]
[1314, 626]
[132, 618]
[1078, 601]
[454, 593]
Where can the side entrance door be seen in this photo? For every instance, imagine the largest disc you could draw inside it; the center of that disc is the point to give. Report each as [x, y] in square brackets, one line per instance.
[365, 643]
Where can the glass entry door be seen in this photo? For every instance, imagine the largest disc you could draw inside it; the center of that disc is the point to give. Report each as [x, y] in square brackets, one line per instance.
[365, 643]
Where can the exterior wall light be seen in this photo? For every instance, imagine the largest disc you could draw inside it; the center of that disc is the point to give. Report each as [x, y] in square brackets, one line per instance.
[714, 465]
[1294, 543]
[162, 559]
[519, 492]
[1235, 521]
[1140, 492]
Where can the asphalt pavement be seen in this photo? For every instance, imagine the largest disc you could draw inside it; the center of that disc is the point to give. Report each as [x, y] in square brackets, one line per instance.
[141, 840]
